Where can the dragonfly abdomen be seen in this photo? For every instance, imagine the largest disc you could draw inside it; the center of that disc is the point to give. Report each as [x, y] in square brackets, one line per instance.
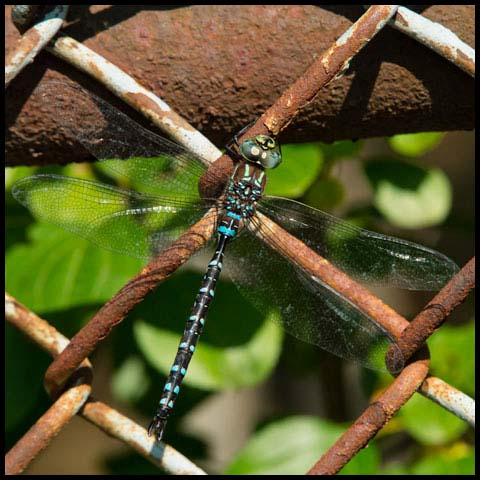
[244, 191]
[188, 343]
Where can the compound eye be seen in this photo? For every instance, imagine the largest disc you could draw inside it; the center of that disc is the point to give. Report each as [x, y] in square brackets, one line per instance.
[272, 158]
[263, 150]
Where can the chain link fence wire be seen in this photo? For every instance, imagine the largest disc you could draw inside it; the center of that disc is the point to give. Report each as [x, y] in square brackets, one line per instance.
[68, 379]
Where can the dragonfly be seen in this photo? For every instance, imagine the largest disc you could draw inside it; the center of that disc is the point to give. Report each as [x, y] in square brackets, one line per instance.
[164, 199]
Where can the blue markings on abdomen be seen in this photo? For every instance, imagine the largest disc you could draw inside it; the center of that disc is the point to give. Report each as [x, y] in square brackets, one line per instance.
[226, 231]
[234, 215]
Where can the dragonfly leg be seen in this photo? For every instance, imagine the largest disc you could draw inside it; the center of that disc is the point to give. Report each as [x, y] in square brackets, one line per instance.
[234, 141]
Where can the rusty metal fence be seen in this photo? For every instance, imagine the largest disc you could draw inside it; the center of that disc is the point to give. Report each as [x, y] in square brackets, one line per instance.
[68, 379]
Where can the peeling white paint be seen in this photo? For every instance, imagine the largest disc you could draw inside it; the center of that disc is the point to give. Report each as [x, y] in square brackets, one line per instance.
[122, 84]
[46, 29]
[436, 37]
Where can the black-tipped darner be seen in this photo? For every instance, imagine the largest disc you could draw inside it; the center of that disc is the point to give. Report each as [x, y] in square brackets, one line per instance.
[142, 224]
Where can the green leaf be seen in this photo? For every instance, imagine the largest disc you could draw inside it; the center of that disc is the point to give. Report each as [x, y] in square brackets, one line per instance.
[130, 381]
[214, 368]
[292, 446]
[458, 460]
[409, 196]
[452, 351]
[394, 468]
[237, 348]
[298, 170]
[325, 194]
[56, 270]
[341, 149]
[429, 423]
[12, 174]
[415, 144]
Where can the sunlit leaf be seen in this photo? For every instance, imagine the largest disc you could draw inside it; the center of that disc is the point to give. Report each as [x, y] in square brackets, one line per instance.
[415, 144]
[298, 170]
[56, 270]
[341, 149]
[130, 380]
[429, 423]
[409, 196]
[452, 461]
[452, 350]
[292, 446]
[237, 348]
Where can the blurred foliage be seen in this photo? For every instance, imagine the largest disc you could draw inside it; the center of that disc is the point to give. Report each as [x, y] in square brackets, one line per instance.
[415, 144]
[300, 167]
[234, 358]
[66, 279]
[291, 446]
[409, 195]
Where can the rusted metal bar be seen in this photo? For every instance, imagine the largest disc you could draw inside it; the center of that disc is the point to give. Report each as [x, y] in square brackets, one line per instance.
[118, 426]
[378, 413]
[435, 36]
[404, 386]
[115, 310]
[435, 312]
[370, 306]
[449, 398]
[33, 41]
[65, 407]
[294, 249]
[45, 429]
[71, 402]
[328, 66]
[35, 328]
[324, 69]
[138, 97]
[222, 78]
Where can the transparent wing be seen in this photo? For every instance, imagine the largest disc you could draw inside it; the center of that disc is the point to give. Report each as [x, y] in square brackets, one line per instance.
[127, 149]
[306, 307]
[124, 221]
[369, 257]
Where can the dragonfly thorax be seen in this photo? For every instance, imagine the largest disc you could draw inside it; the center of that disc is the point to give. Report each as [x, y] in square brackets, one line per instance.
[244, 191]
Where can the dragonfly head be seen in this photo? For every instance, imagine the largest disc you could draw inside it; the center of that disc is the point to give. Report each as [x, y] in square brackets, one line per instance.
[262, 150]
